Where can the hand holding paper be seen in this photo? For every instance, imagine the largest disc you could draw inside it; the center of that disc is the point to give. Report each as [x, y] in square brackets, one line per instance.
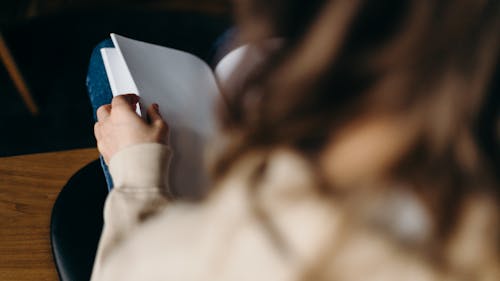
[185, 88]
[119, 127]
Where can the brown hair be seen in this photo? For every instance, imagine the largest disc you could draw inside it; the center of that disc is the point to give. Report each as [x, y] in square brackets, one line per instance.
[436, 61]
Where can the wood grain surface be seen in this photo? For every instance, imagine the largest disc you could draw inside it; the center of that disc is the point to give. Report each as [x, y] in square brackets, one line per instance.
[29, 185]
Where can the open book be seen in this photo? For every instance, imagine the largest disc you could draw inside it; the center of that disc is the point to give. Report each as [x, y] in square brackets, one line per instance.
[186, 90]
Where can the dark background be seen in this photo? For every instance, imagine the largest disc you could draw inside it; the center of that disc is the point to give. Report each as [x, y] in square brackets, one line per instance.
[51, 42]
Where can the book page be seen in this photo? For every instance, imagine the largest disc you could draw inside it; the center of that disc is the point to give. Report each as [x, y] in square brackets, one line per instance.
[118, 75]
[119, 78]
[236, 66]
[186, 91]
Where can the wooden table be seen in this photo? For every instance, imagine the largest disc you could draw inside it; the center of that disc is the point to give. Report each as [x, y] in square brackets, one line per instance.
[29, 185]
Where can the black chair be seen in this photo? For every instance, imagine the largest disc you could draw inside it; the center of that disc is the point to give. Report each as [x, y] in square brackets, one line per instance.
[76, 223]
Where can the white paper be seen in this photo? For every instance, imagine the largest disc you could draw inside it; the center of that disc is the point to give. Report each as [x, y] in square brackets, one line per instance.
[182, 84]
[118, 75]
[186, 91]
[119, 78]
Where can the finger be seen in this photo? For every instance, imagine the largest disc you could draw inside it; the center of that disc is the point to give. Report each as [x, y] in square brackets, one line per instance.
[102, 150]
[128, 100]
[155, 116]
[97, 131]
[103, 112]
[157, 122]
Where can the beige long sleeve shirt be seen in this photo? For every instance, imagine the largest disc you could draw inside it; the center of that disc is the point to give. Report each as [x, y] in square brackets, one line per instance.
[278, 229]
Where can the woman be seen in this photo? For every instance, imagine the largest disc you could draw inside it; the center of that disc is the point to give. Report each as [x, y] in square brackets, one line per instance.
[365, 147]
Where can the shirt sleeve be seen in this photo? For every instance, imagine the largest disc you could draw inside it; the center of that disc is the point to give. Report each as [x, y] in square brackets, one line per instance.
[140, 176]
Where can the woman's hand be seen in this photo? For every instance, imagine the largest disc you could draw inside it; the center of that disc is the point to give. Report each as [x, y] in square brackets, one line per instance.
[119, 126]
